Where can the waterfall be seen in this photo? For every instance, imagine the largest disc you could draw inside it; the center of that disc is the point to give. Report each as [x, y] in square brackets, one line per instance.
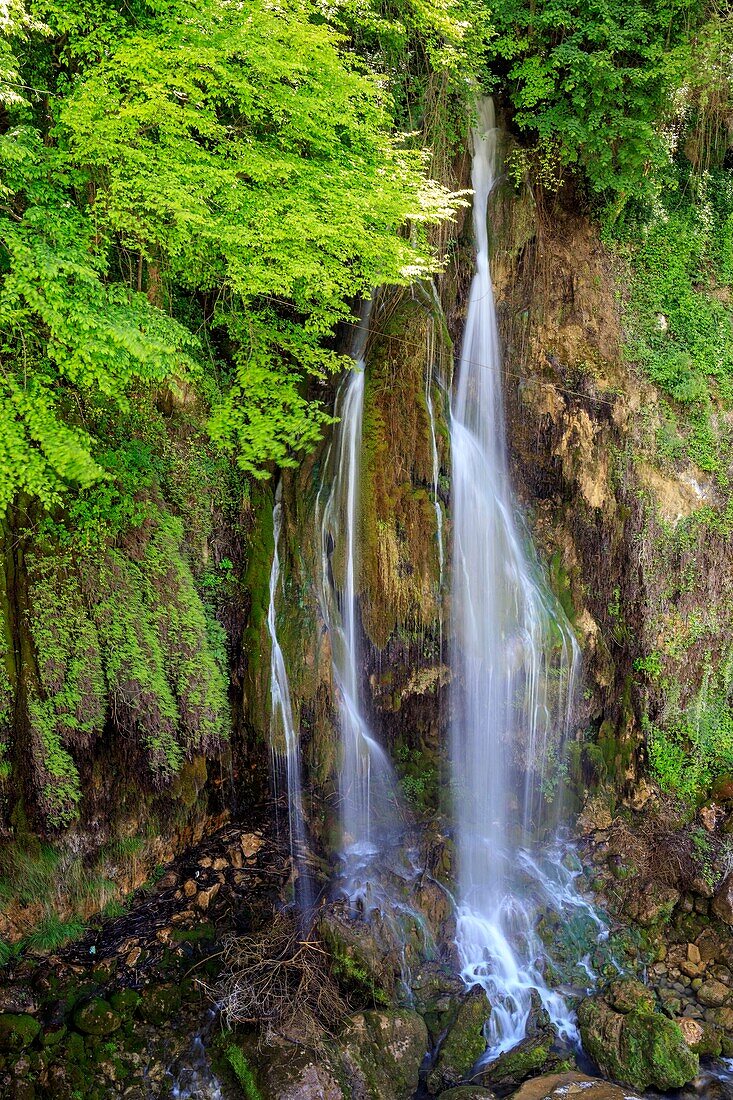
[514, 663]
[284, 740]
[367, 795]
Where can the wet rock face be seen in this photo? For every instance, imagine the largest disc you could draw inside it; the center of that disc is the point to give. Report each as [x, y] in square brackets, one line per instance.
[637, 1046]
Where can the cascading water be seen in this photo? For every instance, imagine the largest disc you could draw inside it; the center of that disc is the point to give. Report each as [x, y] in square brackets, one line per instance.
[514, 663]
[284, 740]
[368, 802]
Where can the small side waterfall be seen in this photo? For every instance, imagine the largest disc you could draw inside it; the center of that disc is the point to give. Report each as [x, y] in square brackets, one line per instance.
[368, 801]
[284, 740]
[514, 661]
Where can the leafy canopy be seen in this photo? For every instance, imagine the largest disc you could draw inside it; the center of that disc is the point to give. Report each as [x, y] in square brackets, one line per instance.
[226, 164]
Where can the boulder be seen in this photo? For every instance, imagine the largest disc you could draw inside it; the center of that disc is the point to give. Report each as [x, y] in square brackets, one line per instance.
[286, 1071]
[722, 903]
[713, 994]
[97, 1017]
[382, 1052]
[17, 1031]
[570, 1086]
[640, 1048]
[464, 1044]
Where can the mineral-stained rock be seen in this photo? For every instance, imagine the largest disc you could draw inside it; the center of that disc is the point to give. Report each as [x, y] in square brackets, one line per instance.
[97, 1017]
[570, 1086]
[639, 1048]
[722, 903]
[17, 1031]
[464, 1043]
[382, 1053]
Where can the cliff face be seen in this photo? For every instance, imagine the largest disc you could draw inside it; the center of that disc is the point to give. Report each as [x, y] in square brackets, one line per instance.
[637, 545]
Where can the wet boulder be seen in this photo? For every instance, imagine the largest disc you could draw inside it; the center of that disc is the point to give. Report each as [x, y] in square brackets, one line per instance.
[382, 1052]
[640, 1047]
[701, 1036]
[537, 1052]
[365, 958]
[464, 1043]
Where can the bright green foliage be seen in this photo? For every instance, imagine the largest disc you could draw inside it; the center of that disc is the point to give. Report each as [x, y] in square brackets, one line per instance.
[677, 313]
[123, 636]
[693, 745]
[243, 1072]
[231, 160]
[591, 82]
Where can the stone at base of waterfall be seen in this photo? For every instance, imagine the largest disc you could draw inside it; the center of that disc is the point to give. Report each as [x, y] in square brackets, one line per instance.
[638, 1047]
[464, 1044]
[570, 1086]
[537, 1052]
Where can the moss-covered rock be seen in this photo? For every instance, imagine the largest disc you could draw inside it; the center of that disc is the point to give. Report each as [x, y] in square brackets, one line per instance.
[17, 1031]
[159, 1004]
[533, 1055]
[639, 1048]
[464, 1043]
[97, 1017]
[382, 1053]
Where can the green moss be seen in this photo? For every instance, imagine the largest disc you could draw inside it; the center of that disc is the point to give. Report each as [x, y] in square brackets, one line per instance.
[243, 1072]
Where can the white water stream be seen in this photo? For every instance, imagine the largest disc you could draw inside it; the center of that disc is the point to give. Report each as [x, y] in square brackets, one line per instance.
[367, 789]
[514, 662]
[284, 739]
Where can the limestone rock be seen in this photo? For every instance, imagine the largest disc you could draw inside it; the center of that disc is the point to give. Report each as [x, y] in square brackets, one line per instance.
[464, 1043]
[97, 1017]
[639, 1048]
[570, 1086]
[294, 1073]
[595, 816]
[722, 903]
